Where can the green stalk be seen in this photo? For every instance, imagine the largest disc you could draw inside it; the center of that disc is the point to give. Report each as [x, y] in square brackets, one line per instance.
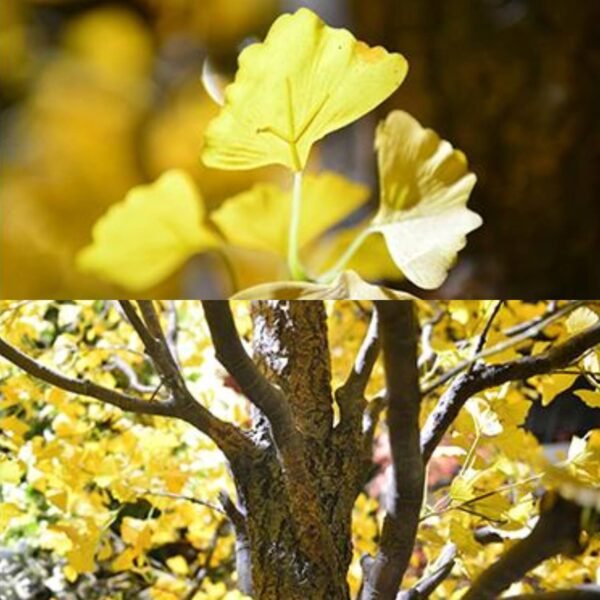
[330, 275]
[296, 270]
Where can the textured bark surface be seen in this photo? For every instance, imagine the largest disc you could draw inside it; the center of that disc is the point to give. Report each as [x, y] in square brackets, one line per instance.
[294, 512]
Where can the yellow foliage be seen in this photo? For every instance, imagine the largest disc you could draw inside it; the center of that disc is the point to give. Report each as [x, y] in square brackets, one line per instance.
[88, 463]
[310, 94]
[157, 227]
[237, 220]
[425, 186]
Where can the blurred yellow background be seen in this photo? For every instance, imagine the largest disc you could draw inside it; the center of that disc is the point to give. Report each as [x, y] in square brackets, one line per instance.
[96, 97]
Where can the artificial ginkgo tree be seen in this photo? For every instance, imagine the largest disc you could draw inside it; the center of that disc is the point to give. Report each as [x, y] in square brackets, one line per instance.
[304, 81]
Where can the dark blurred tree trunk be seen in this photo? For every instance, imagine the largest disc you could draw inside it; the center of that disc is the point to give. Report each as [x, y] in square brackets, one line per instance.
[513, 84]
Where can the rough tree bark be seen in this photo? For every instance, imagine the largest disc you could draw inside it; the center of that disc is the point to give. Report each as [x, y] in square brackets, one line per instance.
[298, 514]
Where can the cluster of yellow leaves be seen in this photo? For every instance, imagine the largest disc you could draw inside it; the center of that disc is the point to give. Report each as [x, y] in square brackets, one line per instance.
[88, 460]
[425, 183]
[87, 124]
[502, 467]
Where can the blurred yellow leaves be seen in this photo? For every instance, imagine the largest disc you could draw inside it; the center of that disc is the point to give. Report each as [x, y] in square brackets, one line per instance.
[142, 240]
[293, 89]
[138, 535]
[118, 127]
[11, 471]
[8, 512]
[326, 200]
[78, 540]
[126, 53]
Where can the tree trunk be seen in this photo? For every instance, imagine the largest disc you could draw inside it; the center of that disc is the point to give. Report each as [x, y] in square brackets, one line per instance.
[290, 346]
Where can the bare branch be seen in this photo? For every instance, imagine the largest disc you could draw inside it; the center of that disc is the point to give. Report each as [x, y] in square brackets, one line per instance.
[521, 334]
[172, 330]
[173, 496]
[486, 329]
[231, 354]
[85, 387]
[243, 559]
[156, 344]
[557, 531]
[483, 377]
[438, 573]
[370, 419]
[399, 332]
[366, 358]
[350, 396]
[137, 323]
[116, 363]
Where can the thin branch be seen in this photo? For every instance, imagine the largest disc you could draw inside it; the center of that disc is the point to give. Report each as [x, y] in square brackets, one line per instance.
[480, 497]
[399, 330]
[534, 329]
[84, 387]
[231, 354]
[350, 396]
[172, 329]
[117, 363]
[486, 330]
[483, 377]
[159, 349]
[366, 358]
[552, 310]
[137, 323]
[202, 571]
[191, 499]
[557, 531]
[370, 419]
[438, 573]
[428, 354]
[243, 559]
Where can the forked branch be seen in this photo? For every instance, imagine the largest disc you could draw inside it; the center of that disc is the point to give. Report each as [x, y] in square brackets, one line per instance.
[482, 377]
[180, 403]
[314, 536]
[84, 387]
[556, 532]
[231, 354]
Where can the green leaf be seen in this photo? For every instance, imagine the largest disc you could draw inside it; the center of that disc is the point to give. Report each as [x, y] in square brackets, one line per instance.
[304, 81]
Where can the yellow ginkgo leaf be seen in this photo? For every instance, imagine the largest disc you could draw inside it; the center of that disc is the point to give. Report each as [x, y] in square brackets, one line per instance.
[425, 186]
[143, 239]
[259, 218]
[304, 81]
[581, 319]
[347, 285]
[590, 397]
